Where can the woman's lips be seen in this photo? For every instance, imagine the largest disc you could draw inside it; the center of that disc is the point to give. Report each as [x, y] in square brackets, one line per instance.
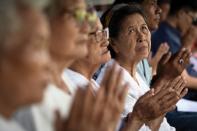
[142, 48]
[105, 50]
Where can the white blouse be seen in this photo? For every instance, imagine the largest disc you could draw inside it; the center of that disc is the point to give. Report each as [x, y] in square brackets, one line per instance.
[135, 91]
[9, 125]
[54, 100]
[79, 80]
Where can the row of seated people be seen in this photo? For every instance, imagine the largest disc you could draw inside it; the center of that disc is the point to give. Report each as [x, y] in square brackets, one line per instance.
[53, 50]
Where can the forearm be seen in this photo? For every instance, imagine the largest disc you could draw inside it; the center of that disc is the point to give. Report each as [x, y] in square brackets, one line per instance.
[191, 82]
[154, 125]
[132, 124]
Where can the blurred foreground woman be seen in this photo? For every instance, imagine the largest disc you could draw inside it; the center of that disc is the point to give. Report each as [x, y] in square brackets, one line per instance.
[24, 71]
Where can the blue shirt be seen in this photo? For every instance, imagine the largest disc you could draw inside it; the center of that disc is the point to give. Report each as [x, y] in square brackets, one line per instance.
[169, 34]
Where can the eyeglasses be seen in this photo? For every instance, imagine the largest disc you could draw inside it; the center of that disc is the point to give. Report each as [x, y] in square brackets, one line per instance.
[101, 35]
[82, 15]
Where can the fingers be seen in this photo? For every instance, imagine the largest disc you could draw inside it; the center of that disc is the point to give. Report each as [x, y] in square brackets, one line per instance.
[174, 82]
[118, 83]
[171, 101]
[171, 108]
[183, 93]
[178, 84]
[114, 80]
[77, 104]
[179, 55]
[88, 102]
[165, 58]
[106, 76]
[123, 93]
[99, 102]
[162, 93]
[163, 48]
[109, 78]
[148, 94]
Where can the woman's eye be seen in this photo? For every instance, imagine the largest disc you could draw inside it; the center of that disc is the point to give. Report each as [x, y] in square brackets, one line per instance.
[131, 31]
[144, 28]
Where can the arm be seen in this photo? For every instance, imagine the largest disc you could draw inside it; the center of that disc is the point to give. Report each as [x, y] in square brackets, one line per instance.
[191, 81]
[132, 123]
[154, 125]
[189, 39]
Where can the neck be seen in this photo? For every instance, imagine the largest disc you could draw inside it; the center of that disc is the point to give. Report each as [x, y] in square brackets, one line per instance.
[85, 69]
[60, 62]
[6, 110]
[129, 65]
[171, 20]
[59, 65]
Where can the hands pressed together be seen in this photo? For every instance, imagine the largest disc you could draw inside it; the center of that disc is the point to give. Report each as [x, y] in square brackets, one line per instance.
[101, 111]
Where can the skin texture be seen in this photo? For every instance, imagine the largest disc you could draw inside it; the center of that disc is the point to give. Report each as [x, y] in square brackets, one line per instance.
[69, 38]
[134, 39]
[97, 53]
[25, 63]
[173, 64]
[152, 11]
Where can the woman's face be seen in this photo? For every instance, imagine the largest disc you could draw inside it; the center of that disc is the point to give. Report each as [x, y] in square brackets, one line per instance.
[24, 69]
[153, 12]
[98, 52]
[69, 34]
[134, 40]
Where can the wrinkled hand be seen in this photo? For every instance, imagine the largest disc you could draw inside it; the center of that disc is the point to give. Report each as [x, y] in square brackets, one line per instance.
[174, 66]
[155, 104]
[115, 94]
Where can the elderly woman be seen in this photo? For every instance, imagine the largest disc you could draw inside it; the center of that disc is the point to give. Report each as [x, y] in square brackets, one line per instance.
[97, 54]
[130, 43]
[24, 59]
[69, 27]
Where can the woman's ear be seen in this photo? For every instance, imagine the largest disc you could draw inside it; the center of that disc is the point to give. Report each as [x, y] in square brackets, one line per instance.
[113, 44]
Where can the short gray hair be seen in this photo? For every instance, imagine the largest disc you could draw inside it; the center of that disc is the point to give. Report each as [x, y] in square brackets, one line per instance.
[39, 4]
[10, 21]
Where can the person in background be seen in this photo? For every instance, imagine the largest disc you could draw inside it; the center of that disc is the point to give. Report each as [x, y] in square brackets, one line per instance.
[179, 33]
[165, 7]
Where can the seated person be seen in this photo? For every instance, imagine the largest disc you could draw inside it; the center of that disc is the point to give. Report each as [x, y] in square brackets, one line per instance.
[130, 43]
[147, 67]
[67, 43]
[178, 33]
[98, 54]
[24, 59]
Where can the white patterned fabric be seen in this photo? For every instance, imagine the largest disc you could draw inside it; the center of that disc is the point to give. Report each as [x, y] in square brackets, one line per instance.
[135, 91]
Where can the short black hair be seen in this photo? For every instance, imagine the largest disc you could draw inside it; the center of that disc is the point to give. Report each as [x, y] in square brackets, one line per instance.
[118, 17]
[163, 2]
[177, 5]
[127, 1]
